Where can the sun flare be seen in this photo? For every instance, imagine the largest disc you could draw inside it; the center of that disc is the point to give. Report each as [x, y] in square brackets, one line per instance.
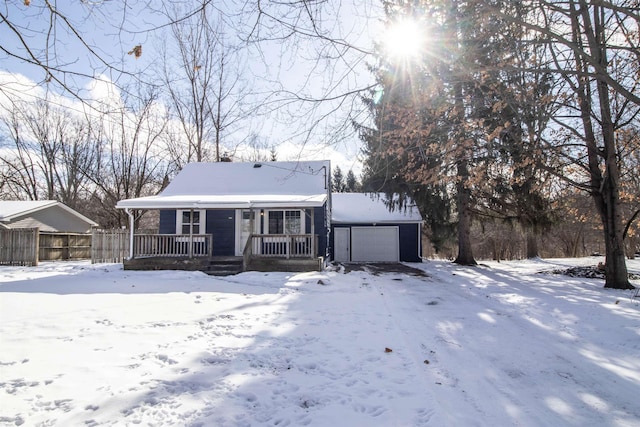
[404, 39]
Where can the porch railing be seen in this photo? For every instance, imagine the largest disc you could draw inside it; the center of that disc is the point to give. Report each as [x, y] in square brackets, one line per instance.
[282, 246]
[172, 245]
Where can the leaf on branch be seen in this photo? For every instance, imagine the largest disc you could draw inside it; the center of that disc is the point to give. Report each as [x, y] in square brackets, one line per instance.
[197, 67]
[27, 2]
[136, 51]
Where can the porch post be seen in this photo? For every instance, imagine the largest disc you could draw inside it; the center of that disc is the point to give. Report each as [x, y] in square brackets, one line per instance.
[190, 250]
[252, 228]
[131, 225]
[313, 233]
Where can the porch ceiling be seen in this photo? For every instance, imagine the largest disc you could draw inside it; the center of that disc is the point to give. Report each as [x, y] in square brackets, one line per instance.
[241, 201]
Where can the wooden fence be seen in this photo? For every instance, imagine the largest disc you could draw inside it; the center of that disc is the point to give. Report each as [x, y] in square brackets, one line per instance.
[19, 246]
[109, 245]
[28, 246]
[64, 246]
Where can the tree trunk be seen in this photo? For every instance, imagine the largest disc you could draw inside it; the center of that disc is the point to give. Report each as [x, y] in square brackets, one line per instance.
[605, 187]
[463, 199]
[532, 245]
[463, 189]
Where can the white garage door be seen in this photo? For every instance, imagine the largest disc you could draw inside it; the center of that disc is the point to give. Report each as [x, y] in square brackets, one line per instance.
[375, 244]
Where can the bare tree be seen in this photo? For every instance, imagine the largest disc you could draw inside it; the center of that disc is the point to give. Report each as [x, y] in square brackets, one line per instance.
[50, 148]
[594, 47]
[131, 162]
[204, 82]
[56, 45]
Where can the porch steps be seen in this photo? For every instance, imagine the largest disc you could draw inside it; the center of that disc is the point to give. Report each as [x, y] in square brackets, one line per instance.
[224, 266]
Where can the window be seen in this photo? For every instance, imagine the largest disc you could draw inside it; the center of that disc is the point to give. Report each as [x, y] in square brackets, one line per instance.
[189, 219]
[292, 222]
[285, 222]
[276, 222]
[246, 223]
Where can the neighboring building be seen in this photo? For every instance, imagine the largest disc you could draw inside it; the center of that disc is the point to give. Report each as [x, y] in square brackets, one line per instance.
[47, 215]
[262, 216]
[365, 229]
[62, 233]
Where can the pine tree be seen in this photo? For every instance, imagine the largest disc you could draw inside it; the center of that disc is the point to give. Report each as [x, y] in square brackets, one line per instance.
[450, 128]
[352, 182]
[337, 183]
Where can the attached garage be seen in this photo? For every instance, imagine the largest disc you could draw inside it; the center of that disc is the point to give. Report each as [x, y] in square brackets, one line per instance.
[375, 244]
[365, 230]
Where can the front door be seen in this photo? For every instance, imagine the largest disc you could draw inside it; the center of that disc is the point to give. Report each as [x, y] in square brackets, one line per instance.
[342, 243]
[243, 228]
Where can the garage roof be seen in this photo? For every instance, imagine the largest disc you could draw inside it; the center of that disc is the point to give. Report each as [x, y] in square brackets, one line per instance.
[368, 208]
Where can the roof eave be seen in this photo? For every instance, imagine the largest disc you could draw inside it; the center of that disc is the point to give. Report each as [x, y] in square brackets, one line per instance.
[263, 204]
[405, 221]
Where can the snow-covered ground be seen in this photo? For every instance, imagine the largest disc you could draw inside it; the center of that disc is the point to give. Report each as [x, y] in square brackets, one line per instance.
[495, 345]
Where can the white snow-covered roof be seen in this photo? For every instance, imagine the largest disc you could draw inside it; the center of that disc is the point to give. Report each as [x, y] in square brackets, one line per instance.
[366, 208]
[241, 185]
[11, 208]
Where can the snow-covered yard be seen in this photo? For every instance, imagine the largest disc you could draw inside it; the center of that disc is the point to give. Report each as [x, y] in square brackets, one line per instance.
[496, 345]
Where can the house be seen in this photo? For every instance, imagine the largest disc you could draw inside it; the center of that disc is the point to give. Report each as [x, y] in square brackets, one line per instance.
[365, 229]
[48, 216]
[236, 216]
[62, 233]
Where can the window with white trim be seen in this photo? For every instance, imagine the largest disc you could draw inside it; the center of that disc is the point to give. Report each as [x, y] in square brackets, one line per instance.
[286, 222]
[188, 219]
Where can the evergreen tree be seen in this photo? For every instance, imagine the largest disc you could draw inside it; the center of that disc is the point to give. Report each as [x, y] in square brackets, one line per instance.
[352, 183]
[438, 117]
[337, 183]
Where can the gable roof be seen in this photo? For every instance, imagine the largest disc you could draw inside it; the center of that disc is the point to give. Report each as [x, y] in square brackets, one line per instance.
[367, 208]
[10, 209]
[14, 213]
[241, 185]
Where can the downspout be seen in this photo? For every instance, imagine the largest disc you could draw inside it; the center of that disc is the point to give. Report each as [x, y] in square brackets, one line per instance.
[420, 241]
[131, 225]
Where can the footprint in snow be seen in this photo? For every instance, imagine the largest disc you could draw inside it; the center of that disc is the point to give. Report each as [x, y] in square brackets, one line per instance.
[374, 411]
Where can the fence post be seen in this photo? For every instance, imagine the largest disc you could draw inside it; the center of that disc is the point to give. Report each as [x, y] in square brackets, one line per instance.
[36, 246]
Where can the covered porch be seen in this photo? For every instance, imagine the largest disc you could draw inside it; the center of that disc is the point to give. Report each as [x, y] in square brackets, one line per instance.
[270, 216]
[239, 236]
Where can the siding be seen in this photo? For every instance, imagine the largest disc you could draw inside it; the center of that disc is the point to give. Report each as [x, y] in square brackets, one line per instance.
[52, 219]
[409, 243]
[321, 229]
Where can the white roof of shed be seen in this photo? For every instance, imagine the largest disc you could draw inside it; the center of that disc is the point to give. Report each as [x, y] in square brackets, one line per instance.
[10, 209]
[366, 208]
[24, 214]
[226, 185]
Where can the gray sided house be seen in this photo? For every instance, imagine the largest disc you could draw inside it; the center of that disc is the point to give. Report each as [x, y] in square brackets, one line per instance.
[225, 217]
[42, 230]
[365, 229]
[46, 215]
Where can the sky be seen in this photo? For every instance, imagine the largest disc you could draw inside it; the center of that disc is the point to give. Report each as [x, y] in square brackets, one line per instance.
[111, 32]
[429, 344]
